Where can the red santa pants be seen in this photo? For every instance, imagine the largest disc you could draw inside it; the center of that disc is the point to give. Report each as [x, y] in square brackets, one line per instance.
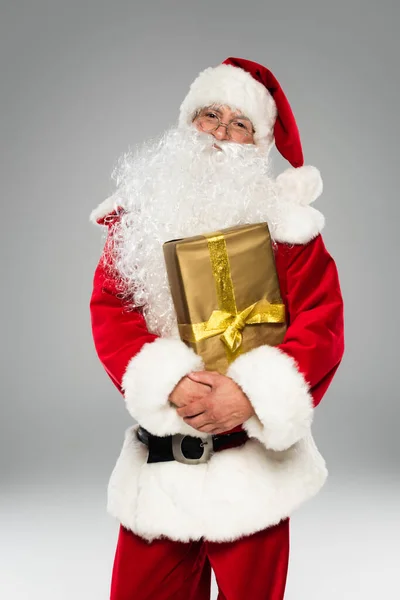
[251, 567]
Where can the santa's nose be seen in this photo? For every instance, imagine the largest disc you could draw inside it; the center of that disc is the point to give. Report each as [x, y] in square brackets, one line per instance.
[220, 133]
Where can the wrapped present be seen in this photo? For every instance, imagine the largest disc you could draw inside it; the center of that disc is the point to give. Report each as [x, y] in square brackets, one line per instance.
[226, 292]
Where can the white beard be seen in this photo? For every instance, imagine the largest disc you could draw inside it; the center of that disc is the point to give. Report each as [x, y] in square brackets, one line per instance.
[180, 186]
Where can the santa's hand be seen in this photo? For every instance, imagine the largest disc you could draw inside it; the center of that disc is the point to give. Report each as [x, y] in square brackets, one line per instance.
[225, 407]
[187, 391]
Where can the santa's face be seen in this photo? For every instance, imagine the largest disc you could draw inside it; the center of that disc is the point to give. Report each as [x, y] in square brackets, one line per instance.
[223, 123]
[179, 186]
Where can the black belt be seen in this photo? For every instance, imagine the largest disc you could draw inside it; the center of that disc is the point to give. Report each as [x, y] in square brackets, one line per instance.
[186, 448]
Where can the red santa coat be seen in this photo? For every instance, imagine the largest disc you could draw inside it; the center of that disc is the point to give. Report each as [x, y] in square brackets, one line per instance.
[240, 490]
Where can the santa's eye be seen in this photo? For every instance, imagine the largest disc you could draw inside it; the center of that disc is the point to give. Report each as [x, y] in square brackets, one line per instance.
[243, 126]
[211, 114]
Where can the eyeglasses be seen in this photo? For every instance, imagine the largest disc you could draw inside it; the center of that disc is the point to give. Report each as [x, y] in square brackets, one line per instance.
[237, 129]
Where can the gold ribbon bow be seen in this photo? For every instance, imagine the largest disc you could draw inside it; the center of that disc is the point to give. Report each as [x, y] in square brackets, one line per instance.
[228, 321]
[230, 325]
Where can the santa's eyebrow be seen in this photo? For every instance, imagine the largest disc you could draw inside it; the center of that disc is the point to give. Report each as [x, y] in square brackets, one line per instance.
[218, 110]
[241, 117]
[214, 108]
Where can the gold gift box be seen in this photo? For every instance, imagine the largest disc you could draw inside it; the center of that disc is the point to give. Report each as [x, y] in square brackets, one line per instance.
[226, 294]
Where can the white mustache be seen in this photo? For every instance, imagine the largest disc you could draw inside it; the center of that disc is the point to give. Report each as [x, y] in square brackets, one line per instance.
[229, 147]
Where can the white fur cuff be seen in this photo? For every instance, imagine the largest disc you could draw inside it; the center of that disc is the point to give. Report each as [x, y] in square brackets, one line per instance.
[150, 377]
[279, 395]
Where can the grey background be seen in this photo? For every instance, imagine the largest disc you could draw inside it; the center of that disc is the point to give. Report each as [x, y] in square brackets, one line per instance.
[80, 83]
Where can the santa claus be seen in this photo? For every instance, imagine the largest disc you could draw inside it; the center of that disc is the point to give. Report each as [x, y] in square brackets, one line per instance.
[215, 464]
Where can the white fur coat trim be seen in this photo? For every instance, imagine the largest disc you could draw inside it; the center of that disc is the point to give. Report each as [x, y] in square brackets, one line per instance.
[150, 377]
[238, 492]
[278, 393]
[235, 87]
[293, 222]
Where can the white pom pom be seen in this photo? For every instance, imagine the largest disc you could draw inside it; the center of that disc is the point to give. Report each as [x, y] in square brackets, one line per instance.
[301, 186]
[106, 207]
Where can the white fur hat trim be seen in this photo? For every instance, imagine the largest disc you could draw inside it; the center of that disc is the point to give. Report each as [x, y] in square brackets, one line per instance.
[235, 87]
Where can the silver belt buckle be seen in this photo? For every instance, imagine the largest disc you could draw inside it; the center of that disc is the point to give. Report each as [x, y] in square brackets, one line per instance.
[206, 443]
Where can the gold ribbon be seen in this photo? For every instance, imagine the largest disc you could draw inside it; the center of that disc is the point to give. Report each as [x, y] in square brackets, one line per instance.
[227, 321]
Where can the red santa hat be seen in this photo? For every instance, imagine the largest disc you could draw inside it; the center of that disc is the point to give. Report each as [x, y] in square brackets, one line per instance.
[251, 88]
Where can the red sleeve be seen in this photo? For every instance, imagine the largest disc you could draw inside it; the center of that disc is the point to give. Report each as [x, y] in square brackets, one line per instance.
[118, 332]
[315, 335]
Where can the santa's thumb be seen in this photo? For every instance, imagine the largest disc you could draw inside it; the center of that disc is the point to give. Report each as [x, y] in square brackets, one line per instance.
[208, 377]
